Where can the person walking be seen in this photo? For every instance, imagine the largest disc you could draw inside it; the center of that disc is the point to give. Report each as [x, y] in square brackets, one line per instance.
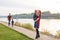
[36, 18]
[9, 18]
[12, 22]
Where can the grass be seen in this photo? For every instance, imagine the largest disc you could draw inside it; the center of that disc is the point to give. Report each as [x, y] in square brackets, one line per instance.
[26, 25]
[9, 34]
[30, 27]
[58, 33]
[46, 32]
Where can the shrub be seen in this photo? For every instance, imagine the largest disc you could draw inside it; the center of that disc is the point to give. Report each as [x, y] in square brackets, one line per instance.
[46, 32]
[58, 33]
[25, 25]
[28, 26]
[17, 24]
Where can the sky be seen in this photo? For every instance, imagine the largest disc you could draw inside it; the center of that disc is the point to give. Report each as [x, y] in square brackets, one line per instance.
[28, 6]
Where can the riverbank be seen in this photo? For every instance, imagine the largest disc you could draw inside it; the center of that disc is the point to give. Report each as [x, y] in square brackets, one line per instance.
[30, 33]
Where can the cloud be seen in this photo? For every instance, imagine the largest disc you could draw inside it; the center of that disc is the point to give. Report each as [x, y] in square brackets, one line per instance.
[17, 4]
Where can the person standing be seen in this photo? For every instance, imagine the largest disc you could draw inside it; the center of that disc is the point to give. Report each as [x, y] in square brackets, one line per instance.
[9, 18]
[36, 18]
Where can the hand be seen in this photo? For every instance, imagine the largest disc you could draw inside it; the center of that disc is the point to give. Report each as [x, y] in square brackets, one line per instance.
[36, 19]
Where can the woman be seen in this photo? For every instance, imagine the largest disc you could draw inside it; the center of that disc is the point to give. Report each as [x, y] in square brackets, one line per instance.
[36, 19]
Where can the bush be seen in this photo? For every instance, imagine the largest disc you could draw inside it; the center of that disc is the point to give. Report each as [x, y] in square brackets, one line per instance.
[46, 32]
[58, 33]
[26, 25]
[17, 24]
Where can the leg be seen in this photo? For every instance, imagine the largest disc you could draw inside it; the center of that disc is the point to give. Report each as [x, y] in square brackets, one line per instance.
[9, 22]
[37, 33]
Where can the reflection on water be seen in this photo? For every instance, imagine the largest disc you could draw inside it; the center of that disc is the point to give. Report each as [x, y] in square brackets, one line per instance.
[50, 24]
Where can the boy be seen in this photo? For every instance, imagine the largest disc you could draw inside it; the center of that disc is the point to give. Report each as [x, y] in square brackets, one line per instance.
[12, 22]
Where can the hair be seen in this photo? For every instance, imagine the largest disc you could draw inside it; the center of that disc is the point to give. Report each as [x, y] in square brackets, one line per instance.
[38, 10]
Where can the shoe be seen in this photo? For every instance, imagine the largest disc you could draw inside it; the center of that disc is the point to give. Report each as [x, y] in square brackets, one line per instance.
[36, 37]
[39, 36]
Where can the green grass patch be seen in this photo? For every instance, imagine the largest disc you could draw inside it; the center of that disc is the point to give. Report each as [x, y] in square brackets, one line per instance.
[9, 34]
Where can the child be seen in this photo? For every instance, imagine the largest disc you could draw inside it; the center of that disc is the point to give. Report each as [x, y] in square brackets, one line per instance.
[12, 22]
[34, 18]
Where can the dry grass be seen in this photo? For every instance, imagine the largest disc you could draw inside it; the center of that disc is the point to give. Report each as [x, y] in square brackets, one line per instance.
[58, 33]
[46, 32]
[26, 25]
[18, 24]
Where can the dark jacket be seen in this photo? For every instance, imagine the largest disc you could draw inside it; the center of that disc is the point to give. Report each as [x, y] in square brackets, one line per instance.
[36, 24]
[35, 16]
[9, 17]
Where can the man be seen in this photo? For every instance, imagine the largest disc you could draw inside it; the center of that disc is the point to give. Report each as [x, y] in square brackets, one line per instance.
[36, 19]
[9, 18]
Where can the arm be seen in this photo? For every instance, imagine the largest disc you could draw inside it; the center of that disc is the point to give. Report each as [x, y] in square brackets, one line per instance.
[36, 19]
[39, 17]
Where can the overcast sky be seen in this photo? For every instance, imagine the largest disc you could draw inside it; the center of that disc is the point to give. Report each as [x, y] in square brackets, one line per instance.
[28, 6]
